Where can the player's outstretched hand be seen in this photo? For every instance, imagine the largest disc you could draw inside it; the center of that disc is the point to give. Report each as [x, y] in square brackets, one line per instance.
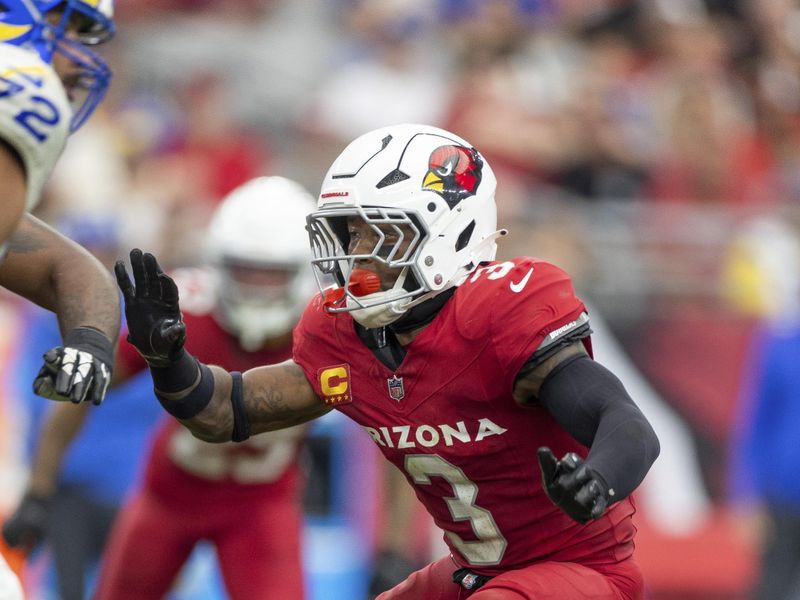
[573, 486]
[26, 527]
[78, 371]
[155, 326]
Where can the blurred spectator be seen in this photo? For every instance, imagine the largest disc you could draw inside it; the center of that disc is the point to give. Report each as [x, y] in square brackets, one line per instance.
[216, 153]
[611, 142]
[761, 275]
[768, 160]
[162, 169]
[701, 108]
[149, 9]
[508, 94]
[389, 70]
[212, 156]
[766, 457]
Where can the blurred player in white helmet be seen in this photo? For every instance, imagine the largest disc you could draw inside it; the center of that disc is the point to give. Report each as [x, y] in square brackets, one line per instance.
[263, 278]
[243, 308]
[50, 81]
[244, 498]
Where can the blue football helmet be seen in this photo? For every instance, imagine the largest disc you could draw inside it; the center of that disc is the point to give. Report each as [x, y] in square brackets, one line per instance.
[24, 23]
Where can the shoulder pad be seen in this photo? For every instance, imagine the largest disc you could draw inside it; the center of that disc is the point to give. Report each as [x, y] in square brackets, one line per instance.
[522, 303]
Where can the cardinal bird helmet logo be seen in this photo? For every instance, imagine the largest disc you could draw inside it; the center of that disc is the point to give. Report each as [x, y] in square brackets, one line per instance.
[454, 172]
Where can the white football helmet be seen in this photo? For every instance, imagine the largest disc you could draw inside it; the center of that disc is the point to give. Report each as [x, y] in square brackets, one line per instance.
[432, 190]
[257, 244]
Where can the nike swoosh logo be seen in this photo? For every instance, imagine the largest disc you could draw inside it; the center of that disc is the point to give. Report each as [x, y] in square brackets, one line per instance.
[517, 287]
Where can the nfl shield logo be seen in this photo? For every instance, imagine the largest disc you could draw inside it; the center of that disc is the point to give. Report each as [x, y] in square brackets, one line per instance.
[469, 581]
[396, 389]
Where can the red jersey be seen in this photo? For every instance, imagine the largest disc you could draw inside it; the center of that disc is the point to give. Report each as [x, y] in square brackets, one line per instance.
[186, 470]
[447, 418]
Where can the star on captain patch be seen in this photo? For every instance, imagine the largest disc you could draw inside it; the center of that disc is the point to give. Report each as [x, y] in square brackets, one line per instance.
[396, 389]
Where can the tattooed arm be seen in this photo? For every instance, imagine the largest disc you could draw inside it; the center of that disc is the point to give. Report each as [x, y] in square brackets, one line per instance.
[54, 272]
[274, 397]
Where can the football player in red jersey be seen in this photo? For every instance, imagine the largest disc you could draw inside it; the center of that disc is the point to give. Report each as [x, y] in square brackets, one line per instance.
[241, 310]
[470, 375]
[241, 315]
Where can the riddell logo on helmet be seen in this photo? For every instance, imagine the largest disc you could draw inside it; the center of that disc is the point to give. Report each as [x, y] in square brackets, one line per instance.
[454, 172]
[334, 195]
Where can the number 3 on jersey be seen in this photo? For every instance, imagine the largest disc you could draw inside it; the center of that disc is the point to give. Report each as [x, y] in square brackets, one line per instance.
[41, 113]
[491, 545]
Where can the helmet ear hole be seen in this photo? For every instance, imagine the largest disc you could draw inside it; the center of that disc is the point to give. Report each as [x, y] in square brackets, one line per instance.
[464, 236]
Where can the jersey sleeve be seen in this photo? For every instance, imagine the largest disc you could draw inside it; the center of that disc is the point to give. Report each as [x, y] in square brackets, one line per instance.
[535, 313]
[34, 115]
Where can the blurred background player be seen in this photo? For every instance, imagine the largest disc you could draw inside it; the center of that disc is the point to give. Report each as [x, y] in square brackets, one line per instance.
[246, 304]
[243, 498]
[765, 455]
[45, 65]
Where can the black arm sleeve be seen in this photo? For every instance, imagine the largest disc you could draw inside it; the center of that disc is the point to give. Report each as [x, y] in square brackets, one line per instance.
[591, 403]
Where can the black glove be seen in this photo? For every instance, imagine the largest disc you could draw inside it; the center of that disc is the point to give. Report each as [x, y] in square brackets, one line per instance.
[155, 326]
[573, 486]
[80, 370]
[389, 569]
[26, 527]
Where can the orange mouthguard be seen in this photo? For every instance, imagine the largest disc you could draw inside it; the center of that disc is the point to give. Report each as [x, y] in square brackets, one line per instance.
[362, 282]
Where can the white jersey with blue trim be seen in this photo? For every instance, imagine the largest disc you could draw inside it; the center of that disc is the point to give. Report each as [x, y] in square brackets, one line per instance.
[35, 115]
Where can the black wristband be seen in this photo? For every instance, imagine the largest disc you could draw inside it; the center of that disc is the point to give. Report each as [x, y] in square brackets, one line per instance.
[93, 341]
[178, 375]
[191, 404]
[241, 425]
